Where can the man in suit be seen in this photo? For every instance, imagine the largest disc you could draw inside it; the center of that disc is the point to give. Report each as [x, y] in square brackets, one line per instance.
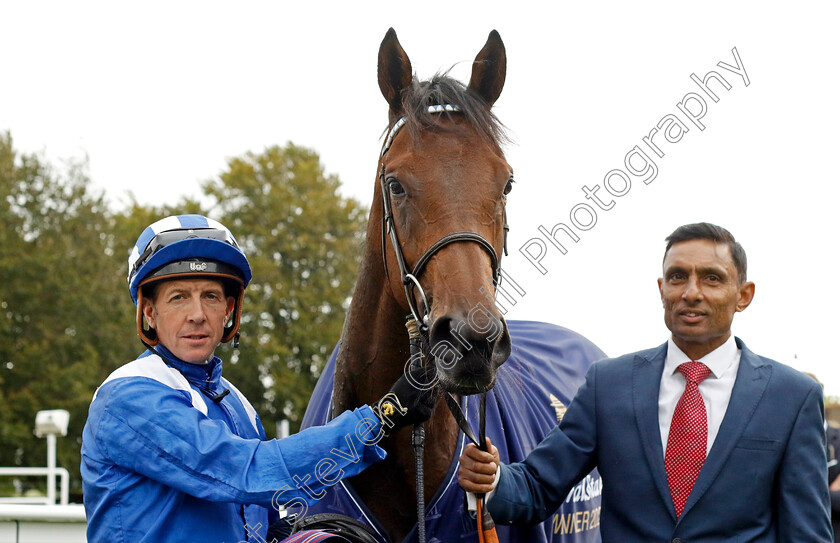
[832, 435]
[698, 440]
[832, 452]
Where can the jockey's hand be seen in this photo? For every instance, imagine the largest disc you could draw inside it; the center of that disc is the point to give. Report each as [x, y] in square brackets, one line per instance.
[410, 400]
[477, 471]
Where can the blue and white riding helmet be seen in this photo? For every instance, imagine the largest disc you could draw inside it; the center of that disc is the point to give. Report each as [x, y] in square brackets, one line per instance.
[184, 246]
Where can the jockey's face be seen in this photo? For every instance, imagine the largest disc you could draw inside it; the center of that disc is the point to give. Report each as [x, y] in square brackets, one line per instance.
[189, 316]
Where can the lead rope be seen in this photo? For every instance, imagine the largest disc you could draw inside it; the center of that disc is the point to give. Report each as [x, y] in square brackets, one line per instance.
[418, 433]
[486, 526]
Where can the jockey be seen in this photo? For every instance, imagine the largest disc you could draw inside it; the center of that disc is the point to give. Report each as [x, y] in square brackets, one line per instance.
[171, 450]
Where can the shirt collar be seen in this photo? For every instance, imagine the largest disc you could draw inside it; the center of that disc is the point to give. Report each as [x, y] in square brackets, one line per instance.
[718, 360]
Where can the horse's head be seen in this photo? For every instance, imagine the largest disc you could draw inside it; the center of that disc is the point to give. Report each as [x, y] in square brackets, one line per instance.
[443, 181]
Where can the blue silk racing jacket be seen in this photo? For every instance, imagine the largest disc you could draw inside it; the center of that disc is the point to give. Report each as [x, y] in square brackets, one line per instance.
[166, 457]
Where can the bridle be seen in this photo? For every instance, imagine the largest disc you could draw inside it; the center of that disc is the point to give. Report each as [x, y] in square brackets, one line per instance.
[418, 328]
[411, 278]
[418, 321]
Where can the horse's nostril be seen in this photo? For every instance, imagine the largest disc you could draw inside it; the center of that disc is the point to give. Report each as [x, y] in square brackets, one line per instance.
[441, 330]
[462, 335]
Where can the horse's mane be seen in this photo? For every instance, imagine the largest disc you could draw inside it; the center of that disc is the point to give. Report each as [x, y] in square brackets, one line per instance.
[441, 90]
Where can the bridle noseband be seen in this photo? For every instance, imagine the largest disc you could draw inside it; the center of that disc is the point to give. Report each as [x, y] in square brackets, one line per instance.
[418, 322]
[411, 279]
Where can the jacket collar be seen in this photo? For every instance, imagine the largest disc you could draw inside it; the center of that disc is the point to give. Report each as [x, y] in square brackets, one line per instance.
[207, 375]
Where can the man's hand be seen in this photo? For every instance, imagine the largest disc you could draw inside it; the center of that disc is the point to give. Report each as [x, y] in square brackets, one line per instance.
[477, 471]
[410, 400]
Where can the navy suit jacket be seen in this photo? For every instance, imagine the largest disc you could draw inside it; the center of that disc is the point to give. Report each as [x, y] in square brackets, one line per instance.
[764, 479]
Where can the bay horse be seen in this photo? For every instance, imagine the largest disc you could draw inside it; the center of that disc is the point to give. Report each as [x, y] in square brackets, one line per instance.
[440, 197]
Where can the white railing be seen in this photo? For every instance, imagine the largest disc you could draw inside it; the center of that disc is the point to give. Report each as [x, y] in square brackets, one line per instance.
[50, 472]
[73, 513]
[40, 523]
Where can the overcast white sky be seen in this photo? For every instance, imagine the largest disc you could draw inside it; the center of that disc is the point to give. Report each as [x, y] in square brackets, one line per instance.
[159, 95]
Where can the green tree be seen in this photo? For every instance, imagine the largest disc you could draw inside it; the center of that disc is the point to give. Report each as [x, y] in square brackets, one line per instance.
[303, 241]
[63, 325]
[66, 320]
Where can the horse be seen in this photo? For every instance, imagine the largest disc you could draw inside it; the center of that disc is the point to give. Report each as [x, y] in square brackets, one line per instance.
[440, 200]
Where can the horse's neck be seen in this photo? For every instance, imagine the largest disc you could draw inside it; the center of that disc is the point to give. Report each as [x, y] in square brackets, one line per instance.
[373, 353]
[374, 344]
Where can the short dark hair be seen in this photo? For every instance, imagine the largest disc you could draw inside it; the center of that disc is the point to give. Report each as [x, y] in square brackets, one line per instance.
[711, 232]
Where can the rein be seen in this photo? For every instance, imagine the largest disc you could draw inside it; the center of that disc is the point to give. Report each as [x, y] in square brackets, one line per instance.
[418, 327]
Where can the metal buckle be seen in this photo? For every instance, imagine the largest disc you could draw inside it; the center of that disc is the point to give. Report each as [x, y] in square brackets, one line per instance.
[411, 302]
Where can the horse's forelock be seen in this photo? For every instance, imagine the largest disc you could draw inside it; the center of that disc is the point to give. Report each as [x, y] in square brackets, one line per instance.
[441, 90]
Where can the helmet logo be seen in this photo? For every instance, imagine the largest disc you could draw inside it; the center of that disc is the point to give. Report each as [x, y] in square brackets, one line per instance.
[198, 266]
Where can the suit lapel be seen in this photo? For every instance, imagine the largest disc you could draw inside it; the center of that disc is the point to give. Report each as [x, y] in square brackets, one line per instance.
[647, 375]
[750, 383]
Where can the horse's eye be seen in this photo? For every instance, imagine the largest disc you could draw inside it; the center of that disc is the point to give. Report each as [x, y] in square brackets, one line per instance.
[509, 186]
[395, 187]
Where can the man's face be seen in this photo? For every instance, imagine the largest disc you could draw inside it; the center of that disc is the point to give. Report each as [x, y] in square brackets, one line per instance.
[700, 293]
[189, 316]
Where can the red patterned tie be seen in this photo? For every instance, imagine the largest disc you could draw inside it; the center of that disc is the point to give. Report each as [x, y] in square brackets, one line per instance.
[686, 449]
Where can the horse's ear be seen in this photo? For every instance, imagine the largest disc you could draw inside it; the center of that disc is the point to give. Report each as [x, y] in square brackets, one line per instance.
[489, 68]
[394, 71]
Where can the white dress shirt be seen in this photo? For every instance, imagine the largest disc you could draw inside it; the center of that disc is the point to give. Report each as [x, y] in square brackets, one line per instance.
[715, 390]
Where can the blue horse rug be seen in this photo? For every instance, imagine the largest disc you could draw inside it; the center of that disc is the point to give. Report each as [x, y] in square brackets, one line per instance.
[547, 364]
